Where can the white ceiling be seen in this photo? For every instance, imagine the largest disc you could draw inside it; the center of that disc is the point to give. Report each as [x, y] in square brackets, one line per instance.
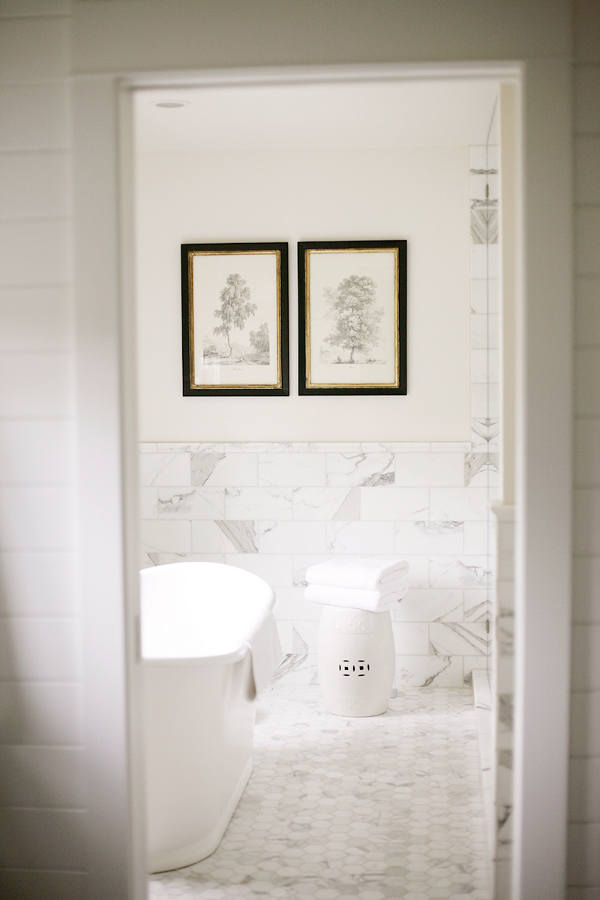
[310, 116]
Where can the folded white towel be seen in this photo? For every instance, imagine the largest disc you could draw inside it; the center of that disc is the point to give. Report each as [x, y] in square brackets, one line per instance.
[361, 573]
[373, 601]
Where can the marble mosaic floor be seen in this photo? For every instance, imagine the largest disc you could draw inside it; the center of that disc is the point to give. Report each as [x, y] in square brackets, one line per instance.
[368, 809]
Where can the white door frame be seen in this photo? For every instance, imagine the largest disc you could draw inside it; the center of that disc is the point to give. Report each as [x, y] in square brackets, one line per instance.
[107, 412]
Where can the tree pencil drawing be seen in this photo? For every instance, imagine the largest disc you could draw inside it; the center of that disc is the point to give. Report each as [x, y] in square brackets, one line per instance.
[356, 317]
[260, 342]
[235, 308]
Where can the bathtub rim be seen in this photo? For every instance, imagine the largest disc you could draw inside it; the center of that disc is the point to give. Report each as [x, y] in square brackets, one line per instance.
[232, 656]
[225, 658]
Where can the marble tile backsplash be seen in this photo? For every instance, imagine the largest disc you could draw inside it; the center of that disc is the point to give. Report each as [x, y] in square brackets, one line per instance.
[275, 509]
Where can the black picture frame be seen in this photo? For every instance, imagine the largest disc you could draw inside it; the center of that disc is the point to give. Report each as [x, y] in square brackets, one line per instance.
[370, 278]
[225, 289]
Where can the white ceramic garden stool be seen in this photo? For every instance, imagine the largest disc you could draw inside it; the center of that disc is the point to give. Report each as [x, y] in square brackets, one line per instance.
[356, 660]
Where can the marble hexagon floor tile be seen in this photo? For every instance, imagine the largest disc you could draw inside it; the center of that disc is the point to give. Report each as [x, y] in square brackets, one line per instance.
[370, 809]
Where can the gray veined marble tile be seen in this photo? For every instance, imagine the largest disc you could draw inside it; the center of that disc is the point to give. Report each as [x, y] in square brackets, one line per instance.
[394, 503]
[292, 605]
[148, 497]
[240, 535]
[459, 504]
[189, 447]
[258, 503]
[394, 446]
[485, 366]
[317, 504]
[505, 712]
[485, 296]
[484, 222]
[411, 638]
[166, 537]
[485, 330]
[426, 537]
[485, 430]
[361, 538]
[467, 572]
[230, 470]
[190, 503]
[293, 469]
[478, 539]
[360, 468]
[476, 663]
[484, 261]
[165, 469]
[429, 671]
[223, 536]
[275, 569]
[203, 464]
[292, 537]
[480, 464]
[477, 605]
[505, 633]
[458, 639]
[442, 468]
[429, 605]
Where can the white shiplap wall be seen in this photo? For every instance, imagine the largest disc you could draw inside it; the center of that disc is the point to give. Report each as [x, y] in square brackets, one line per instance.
[41, 772]
[584, 794]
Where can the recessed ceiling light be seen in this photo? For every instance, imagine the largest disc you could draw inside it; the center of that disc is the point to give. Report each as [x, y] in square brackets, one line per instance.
[170, 104]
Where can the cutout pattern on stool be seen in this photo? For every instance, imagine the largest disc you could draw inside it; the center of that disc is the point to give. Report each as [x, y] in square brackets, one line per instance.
[359, 668]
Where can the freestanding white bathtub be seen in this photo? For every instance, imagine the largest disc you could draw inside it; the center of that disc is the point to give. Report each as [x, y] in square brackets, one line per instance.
[209, 643]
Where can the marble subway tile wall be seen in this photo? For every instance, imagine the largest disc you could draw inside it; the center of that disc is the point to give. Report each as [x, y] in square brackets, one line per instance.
[275, 509]
[485, 462]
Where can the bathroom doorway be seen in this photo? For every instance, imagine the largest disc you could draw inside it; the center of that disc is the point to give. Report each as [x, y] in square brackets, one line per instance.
[133, 563]
[277, 484]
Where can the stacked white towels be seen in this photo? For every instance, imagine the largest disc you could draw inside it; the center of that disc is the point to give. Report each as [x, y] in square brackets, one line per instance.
[358, 583]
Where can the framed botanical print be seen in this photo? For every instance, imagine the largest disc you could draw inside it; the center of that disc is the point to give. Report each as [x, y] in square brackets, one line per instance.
[234, 305]
[352, 317]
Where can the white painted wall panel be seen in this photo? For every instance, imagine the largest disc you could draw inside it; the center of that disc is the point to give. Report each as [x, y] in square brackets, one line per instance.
[44, 838]
[587, 310]
[586, 520]
[42, 782]
[49, 885]
[587, 240]
[584, 786]
[17, 8]
[34, 185]
[33, 517]
[585, 723]
[38, 583]
[34, 252]
[40, 713]
[587, 89]
[40, 649]
[587, 169]
[584, 790]
[35, 318]
[34, 117]
[36, 385]
[36, 451]
[586, 589]
[34, 49]
[41, 776]
[109, 36]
